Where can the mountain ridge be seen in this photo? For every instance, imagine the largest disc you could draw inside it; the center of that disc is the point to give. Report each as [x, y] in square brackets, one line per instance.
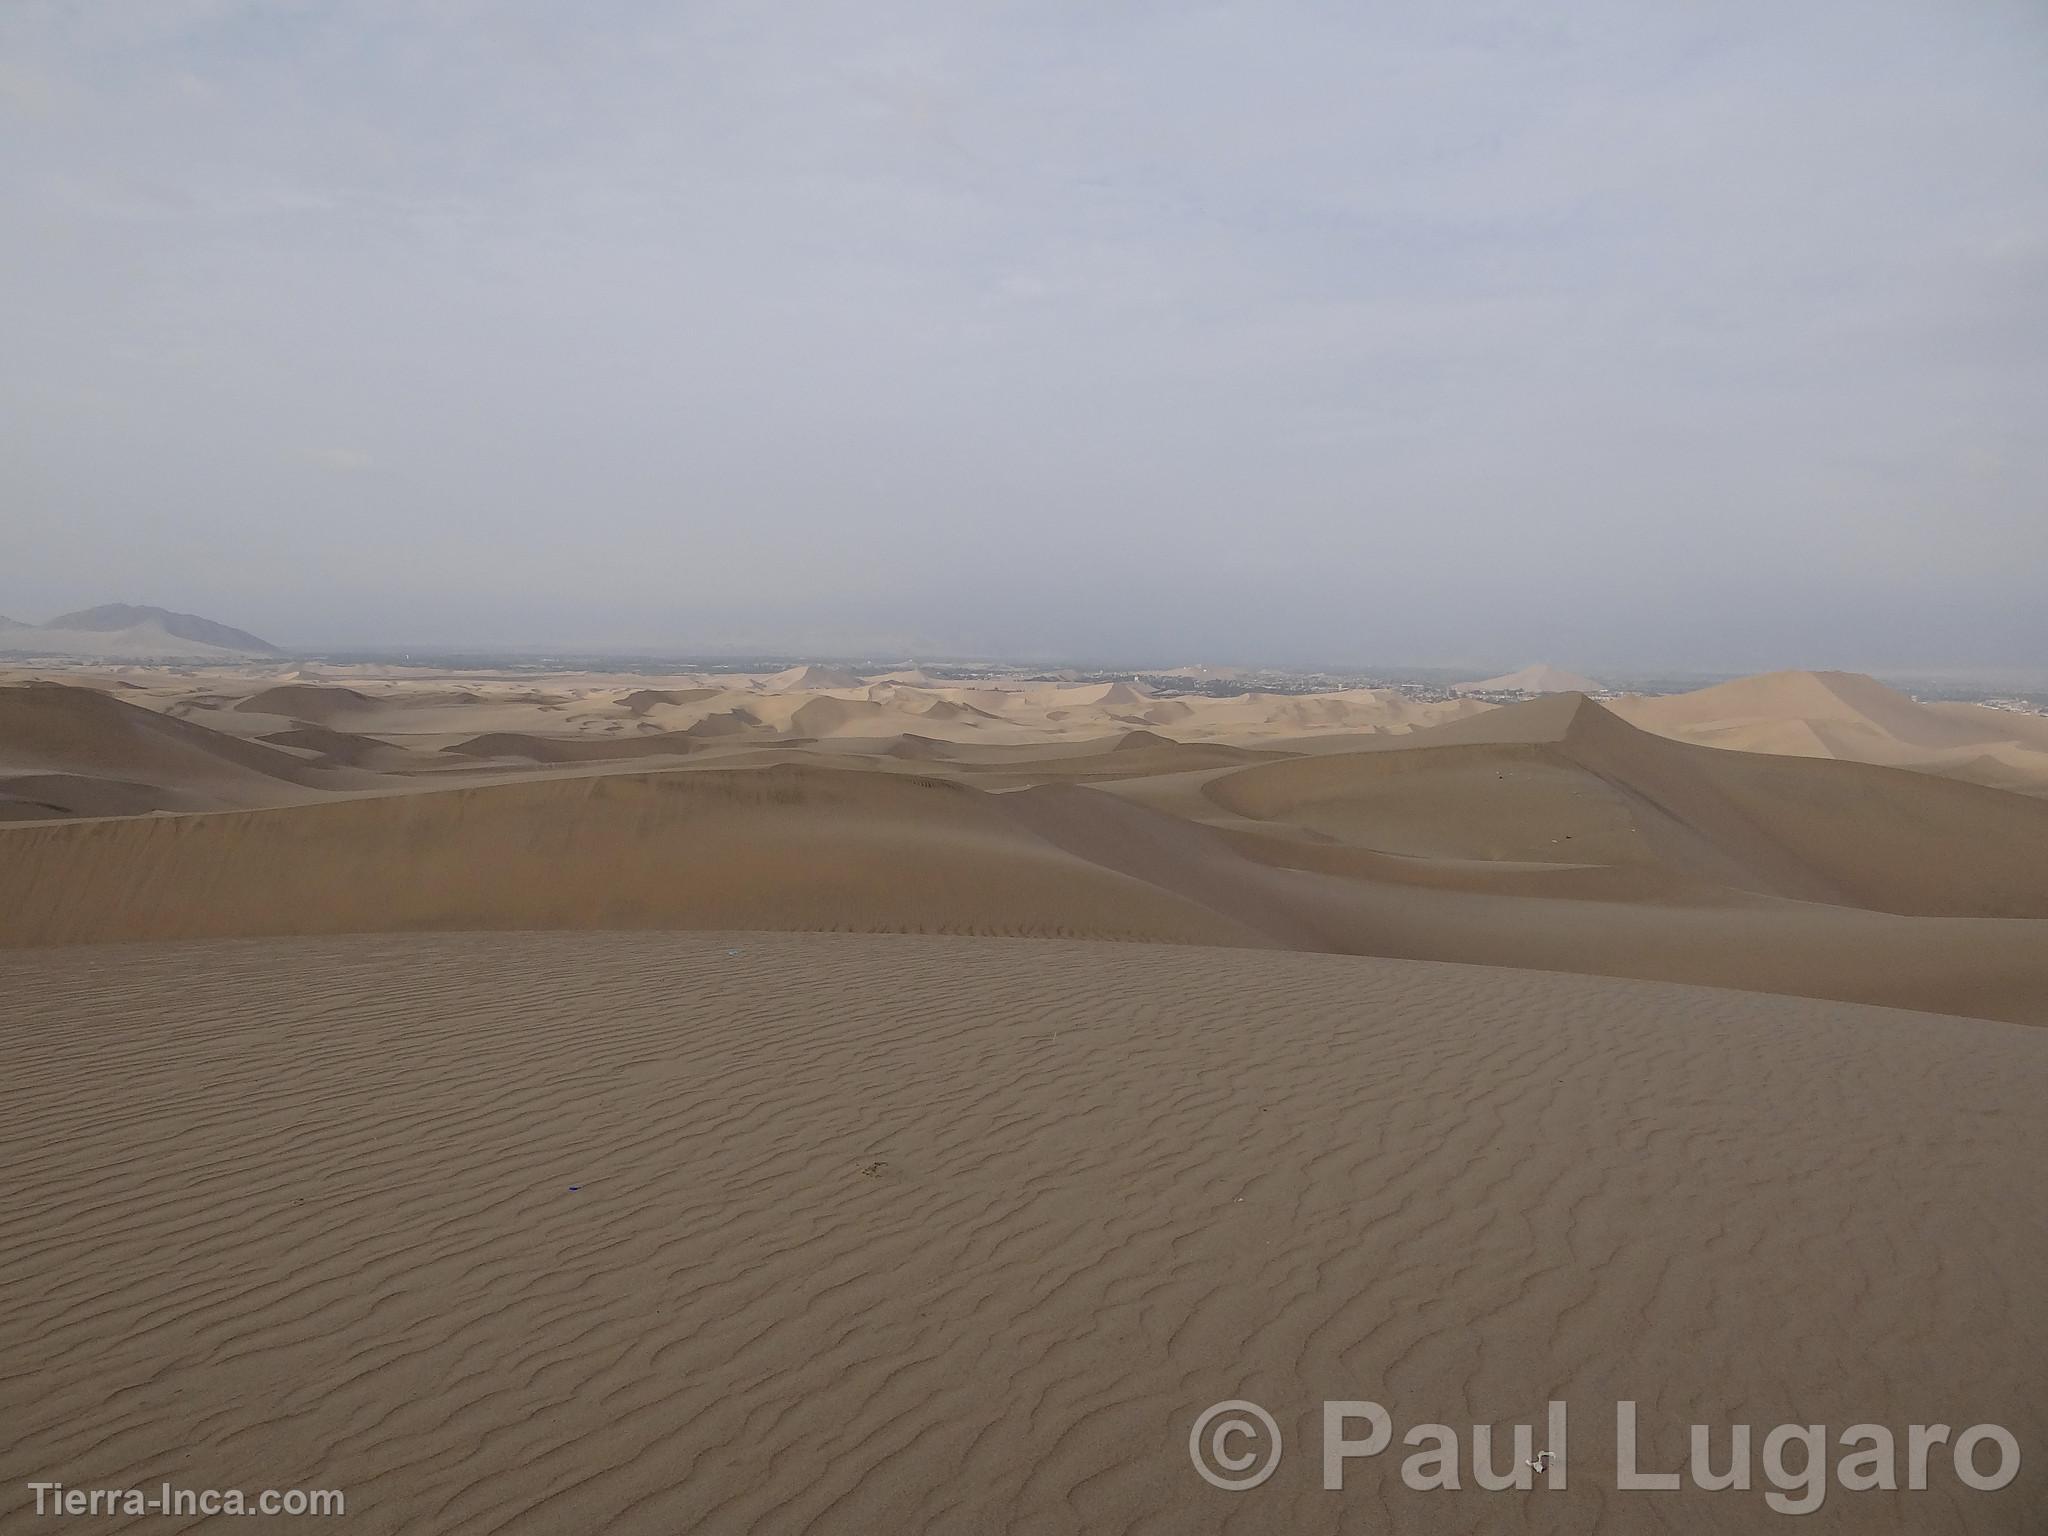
[130, 631]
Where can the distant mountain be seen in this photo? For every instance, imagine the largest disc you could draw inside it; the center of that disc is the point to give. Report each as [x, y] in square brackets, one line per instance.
[127, 632]
[110, 617]
[1541, 678]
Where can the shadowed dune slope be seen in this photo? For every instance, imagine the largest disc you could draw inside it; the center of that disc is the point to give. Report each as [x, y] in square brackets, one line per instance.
[1988, 723]
[83, 729]
[809, 847]
[1563, 779]
[513, 1235]
[641, 700]
[727, 722]
[89, 735]
[1100, 760]
[1138, 741]
[316, 703]
[54, 796]
[1548, 834]
[781, 847]
[345, 747]
[570, 749]
[1639, 921]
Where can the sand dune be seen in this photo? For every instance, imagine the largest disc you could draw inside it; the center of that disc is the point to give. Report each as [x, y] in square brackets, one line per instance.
[739, 1223]
[1846, 715]
[1543, 834]
[1562, 779]
[343, 747]
[948, 709]
[811, 678]
[915, 677]
[2021, 771]
[641, 700]
[737, 1232]
[1106, 695]
[787, 846]
[916, 748]
[316, 703]
[1365, 710]
[827, 716]
[89, 751]
[50, 796]
[1815, 698]
[1102, 760]
[1542, 677]
[49, 723]
[1137, 741]
[557, 749]
[1463, 851]
[725, 722]
[1998, 724]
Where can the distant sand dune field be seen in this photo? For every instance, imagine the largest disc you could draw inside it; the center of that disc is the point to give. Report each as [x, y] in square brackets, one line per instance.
[1549, 834]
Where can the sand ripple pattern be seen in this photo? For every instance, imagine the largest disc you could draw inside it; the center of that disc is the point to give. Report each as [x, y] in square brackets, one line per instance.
[888, 1234]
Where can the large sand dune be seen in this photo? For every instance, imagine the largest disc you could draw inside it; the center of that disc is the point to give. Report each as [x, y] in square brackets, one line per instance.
[1544, 835]
[786, 847]
[383, 1178]
[82, 751]
[1845, 715]
[786, 1233]
[1526, 780]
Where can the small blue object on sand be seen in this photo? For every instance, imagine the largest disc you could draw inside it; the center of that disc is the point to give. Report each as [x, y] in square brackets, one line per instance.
[574, 1187]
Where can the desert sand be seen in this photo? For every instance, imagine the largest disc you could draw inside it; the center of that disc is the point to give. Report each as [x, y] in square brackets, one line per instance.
[1540, 677]
[708, 1101]
[1845, 715]
[788, 1232]
[1549, 834]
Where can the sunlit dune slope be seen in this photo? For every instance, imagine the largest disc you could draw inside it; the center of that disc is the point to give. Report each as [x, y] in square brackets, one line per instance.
[1850, 716]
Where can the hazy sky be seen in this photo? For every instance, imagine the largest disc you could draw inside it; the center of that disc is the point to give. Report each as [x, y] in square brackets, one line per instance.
[1667, 333]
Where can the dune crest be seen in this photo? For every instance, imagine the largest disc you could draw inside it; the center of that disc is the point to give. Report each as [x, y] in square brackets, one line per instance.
[1847, 715]
[1546, 833]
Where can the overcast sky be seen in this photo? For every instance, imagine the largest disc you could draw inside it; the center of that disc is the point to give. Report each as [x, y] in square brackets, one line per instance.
[1655, 333]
